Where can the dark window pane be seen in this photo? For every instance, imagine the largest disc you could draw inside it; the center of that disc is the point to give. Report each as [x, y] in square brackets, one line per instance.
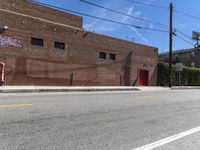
[37, 42]
[59, 45]
[112, 56]
[102, 55]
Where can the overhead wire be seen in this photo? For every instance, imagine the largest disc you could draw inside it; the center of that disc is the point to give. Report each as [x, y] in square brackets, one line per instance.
[138, 18]
[99, 18]
[182, 33]
[122, 13]
[127, 24]
[166, 8]
[146, 4]
[186, 14]
[184, 40]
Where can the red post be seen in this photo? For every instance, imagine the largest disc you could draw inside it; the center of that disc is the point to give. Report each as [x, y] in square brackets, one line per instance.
[2, 73]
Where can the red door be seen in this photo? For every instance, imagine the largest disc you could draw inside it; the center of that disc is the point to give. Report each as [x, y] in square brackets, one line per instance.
[144, 76]
[2, 73]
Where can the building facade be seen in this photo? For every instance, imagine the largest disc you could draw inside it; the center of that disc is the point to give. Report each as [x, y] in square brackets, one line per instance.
[43, 46]
[189, 57]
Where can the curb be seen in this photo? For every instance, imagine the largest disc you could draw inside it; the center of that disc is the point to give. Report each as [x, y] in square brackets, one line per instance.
[185, 88]
[63, 90]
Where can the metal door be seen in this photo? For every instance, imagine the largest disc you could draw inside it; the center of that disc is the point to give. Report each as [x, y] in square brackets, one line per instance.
[144, 77]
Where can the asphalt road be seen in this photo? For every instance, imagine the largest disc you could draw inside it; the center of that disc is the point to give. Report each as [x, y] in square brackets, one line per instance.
[100, 120]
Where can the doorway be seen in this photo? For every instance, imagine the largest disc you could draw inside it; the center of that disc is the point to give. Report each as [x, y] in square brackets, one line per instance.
[144, 77]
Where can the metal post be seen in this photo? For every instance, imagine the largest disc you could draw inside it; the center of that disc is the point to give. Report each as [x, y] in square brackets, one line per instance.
[179, 77]
[196, 53]
[170, 44]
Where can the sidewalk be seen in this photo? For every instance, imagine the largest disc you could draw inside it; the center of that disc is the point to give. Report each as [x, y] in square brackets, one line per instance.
[35, 89]
[24, 89]
[185, 87]
[152, 88]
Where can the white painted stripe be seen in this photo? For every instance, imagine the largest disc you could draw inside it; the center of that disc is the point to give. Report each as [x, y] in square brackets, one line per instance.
[168, 139]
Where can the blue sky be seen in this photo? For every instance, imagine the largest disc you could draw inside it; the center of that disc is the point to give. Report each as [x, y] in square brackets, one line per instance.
[156, 39]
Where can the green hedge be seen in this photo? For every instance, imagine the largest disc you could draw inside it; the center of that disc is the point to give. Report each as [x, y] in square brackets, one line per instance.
[189, 76]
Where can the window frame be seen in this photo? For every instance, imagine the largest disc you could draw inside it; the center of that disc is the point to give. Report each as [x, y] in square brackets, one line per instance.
[37, 42]
[61, 44]
[112, 56]
[102, 54]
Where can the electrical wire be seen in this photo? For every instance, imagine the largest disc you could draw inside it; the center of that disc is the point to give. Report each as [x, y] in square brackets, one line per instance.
[175, 29]
[99, 18]
[184, 40]
[162, 7]
[186, 14]
[183, 33]
[131, 16]
[146, 4]
[117, 22]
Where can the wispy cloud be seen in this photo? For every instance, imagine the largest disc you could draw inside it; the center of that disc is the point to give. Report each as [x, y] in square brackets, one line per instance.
[140, 36]
[91, 25]
[130, 11]
[106, 27]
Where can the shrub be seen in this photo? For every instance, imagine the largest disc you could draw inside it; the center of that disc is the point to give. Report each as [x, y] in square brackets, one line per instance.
[189, 76]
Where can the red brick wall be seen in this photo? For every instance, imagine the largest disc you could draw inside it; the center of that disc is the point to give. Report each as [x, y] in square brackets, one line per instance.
[26, 7]
[33, 65]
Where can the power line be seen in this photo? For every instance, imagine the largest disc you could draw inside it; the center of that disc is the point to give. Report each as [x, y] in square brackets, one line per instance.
[134, 16]
[131, 16]
[184, 40]
[186, 14]
[99, 18]
[162, 7]
[139, 17]
[182, 33]
[149, 5]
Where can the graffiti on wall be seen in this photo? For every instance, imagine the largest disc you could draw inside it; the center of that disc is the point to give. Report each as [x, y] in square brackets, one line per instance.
[10, 41]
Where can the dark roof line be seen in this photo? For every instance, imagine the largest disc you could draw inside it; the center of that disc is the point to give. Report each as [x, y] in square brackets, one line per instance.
[179, 51]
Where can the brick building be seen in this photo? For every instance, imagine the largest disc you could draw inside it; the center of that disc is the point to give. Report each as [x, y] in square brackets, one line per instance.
[43, 46]
[189, 57]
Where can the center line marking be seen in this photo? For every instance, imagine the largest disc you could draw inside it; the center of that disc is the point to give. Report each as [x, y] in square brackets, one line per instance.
[15, 105]
[147, 97]
[168, 139]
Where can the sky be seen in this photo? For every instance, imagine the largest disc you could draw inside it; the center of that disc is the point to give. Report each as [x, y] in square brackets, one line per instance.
[181, 22]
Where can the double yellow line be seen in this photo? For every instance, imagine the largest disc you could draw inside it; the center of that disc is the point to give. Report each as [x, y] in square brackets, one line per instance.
[15, 105]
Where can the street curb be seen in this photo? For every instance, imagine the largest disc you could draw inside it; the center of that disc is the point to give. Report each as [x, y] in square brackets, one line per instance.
[63, 90]
[185, 88]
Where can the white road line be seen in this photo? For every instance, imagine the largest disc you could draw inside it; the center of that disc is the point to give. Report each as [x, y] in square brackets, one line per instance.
[168, 139]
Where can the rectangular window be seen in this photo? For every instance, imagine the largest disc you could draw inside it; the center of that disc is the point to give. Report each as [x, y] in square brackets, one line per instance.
[37, 42]
[102, 55]
[59, 45]
[112, 56]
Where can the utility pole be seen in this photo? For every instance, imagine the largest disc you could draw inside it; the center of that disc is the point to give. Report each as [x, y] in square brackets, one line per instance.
[196, 53]
[170, 43]
[195, 36]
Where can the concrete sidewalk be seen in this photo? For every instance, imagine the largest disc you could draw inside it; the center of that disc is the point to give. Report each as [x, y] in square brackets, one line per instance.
[185, 87]
[24, 89]
[152, 88]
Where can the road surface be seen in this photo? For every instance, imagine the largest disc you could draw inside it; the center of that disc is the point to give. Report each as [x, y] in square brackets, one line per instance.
[160, 120]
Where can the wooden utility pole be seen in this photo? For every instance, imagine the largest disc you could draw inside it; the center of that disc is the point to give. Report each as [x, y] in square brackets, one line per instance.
[170, 43]
[196, 36]
[197, 51]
